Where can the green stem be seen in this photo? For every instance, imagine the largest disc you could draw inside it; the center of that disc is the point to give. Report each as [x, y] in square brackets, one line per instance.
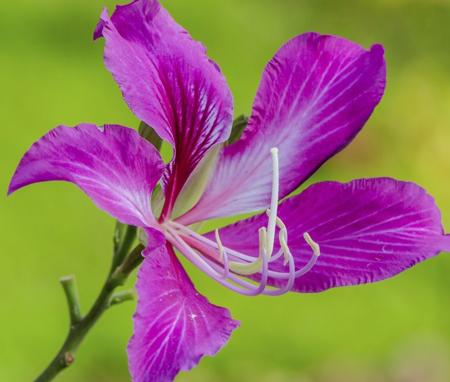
[73, 302]
[78, 330]
[123, 240]
[119, 297]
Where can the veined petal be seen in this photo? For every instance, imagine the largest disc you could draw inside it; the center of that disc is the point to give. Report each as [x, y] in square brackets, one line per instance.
[169, 82]
[174, 325]
[112, 164]
[368, 230]
[315, 95]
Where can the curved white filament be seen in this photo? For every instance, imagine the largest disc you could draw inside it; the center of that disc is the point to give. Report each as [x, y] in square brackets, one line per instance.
[273, 201]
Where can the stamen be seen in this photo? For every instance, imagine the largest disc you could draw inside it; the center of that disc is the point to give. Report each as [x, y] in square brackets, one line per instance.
[247, 269]
[283, 238]
[204, 240]
[211, 269]
[309, 265]
[219, 244]
[223, 255]
[225, 271]
[288, 258]
[228, 266]
[265, 261]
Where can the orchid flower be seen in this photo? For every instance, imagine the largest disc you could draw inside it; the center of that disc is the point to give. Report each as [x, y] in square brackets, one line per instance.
[315, 95]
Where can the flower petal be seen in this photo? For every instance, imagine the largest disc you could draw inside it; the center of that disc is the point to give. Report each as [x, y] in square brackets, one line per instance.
[112, 164]
[168, 81]
[174, 325]
[368, 230]
[315, 95]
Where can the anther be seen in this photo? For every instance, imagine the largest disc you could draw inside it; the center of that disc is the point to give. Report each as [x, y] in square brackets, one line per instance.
[246, 269]
[283, 238]
[314, 246]
[222, 255]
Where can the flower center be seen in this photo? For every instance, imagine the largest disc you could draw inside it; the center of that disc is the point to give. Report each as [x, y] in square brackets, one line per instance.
[232, 268]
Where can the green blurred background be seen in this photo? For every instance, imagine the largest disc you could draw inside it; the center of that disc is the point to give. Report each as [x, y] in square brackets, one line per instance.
[52, 73]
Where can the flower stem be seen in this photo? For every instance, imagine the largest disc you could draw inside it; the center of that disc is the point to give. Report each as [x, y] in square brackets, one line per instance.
[73, 302]
[119, 297]
[80, 326]
[124, 236]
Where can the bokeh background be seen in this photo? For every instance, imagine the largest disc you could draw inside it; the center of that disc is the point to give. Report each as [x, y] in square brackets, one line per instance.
[51, 72]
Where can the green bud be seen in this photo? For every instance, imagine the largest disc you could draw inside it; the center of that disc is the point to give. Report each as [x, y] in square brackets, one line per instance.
[239, 124]
[150, 135]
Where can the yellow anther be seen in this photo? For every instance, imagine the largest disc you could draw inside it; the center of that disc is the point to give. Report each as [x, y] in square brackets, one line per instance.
[219, 244]
[222, 255]
[314, 246]
[283, 240]
[262, 237]
[247, 269]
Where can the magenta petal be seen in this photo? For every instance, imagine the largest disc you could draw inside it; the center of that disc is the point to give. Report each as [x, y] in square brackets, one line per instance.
[315, 95]
[174, 325]
[168, 81]
[112, 164]
[446, 243]
[368, 230]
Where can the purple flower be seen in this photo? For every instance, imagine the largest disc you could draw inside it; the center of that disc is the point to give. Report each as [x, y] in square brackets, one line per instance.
[315, 95]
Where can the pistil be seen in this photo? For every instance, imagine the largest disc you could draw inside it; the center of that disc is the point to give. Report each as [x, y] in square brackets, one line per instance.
[273, 201]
